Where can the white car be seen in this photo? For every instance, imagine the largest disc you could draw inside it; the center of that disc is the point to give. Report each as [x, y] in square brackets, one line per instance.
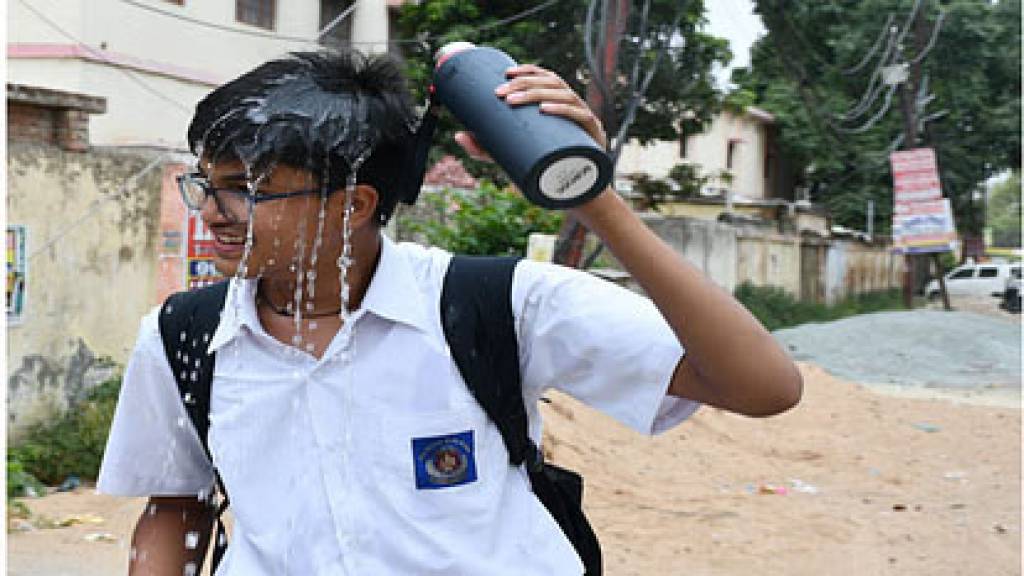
[975, 280]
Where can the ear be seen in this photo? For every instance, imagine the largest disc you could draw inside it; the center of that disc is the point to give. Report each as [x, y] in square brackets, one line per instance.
[364, 205]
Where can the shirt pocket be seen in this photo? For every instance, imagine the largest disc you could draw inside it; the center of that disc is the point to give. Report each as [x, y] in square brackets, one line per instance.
[440, 464]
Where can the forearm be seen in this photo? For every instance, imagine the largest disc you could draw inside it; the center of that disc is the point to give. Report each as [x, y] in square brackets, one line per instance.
[170, 534]
[732, 361]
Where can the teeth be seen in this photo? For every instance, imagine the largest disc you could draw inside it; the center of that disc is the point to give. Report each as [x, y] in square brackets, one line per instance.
[231, 239]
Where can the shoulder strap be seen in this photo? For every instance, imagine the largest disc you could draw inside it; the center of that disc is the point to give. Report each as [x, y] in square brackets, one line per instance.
[476, 314]
[187, 322]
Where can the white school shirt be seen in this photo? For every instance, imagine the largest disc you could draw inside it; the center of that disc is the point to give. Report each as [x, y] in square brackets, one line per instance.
[325, 460]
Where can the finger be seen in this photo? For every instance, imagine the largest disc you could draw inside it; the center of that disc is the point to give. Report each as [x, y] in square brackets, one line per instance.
[535, 95]
[581, 116]
[472, 147]
[528, 70]
[527, 82]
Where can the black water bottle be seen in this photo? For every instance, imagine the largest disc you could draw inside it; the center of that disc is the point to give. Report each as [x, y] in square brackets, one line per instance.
[552, 160]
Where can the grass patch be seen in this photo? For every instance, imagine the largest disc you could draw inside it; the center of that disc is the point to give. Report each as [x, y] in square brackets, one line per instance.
[70, 445]
[776, 308]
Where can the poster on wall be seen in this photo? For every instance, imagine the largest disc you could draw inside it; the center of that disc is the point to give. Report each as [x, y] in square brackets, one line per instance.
[199, 268]
[16, 272]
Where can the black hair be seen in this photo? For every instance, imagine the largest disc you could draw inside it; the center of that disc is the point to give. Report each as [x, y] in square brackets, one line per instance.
[318, 111]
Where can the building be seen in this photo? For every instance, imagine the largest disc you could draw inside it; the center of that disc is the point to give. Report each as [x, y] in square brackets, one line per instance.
[738, 161]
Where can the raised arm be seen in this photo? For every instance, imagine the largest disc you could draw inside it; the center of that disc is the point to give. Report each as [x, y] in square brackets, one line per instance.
[731, 361]
[171, 533]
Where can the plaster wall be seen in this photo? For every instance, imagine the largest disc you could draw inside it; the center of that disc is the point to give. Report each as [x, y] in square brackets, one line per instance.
[91, 272]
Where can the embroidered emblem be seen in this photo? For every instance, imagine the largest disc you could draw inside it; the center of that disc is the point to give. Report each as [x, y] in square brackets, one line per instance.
[444, 461]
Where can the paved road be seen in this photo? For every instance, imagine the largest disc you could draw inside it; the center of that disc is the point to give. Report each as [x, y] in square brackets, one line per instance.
[929, 348]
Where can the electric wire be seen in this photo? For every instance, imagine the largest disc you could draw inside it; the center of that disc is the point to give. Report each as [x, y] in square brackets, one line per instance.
[874, 49]
[878, 115]
[98, 54]
[931, 41]
[125, 189]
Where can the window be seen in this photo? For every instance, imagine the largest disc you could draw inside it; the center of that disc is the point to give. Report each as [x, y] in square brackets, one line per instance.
[730, 153]
[682, 143]
[256, 12]
[989, 272]
[178, 2]
[963, 273]
[1015, 272]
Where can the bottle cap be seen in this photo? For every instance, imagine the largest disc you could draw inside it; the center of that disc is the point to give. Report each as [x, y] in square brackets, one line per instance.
[450, 49]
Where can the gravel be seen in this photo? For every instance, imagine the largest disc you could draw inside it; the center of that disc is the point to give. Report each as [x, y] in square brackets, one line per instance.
[929, 348]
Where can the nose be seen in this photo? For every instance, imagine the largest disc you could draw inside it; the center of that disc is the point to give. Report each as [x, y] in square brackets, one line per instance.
[210, 211]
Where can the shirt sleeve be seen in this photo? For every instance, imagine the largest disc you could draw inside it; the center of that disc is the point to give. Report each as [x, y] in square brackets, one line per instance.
[153, 449]
[602, 344]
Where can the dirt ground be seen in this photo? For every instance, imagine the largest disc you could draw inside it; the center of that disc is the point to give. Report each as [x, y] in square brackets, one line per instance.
[852, 482]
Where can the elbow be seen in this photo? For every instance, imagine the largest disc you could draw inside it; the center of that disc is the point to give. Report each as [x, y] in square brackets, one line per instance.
[785, 391]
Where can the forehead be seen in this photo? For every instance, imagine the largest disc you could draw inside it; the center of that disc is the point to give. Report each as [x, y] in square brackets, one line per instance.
[226, 172]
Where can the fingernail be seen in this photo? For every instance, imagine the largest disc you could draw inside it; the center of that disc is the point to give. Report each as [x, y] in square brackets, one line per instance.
[514, 97]
[501, 89]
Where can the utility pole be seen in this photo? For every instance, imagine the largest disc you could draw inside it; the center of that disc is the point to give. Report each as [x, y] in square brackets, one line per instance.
[909, 107]
[614, 15]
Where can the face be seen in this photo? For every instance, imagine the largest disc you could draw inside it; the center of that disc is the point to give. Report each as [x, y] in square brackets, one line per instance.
[284, 231]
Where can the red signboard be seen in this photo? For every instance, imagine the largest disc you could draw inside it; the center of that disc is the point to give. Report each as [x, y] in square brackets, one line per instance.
[199, 269]
[922, 219]
[915, 176]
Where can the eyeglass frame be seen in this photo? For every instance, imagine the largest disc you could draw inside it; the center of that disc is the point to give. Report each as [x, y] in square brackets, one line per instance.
[210, 190]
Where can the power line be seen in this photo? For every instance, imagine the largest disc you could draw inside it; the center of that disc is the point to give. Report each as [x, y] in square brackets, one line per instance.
[122, 192]
[874, 49]
[101, 56]
[313, 41]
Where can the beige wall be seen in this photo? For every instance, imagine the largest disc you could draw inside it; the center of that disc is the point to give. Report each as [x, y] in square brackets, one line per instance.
[708, 150]
[182, 60]
[88, 290]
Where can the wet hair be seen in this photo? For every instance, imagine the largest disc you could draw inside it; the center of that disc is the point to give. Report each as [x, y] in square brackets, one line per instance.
[318, 111]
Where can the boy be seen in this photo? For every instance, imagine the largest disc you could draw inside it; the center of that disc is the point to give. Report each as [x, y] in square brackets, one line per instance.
[331, 359]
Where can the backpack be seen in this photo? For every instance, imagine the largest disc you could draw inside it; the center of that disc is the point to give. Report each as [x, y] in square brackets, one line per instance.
[476, 315]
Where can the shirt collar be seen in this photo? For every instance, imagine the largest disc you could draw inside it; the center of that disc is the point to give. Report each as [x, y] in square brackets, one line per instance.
[394, 290]
[393, 294]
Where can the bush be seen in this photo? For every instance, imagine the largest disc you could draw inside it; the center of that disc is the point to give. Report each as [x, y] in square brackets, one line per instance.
[70, 445]
[776, 308]
[487, 221]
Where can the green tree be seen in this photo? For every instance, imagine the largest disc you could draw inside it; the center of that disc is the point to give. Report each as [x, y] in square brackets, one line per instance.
[1003, 212]
[805, 71]
[681, 88]
[489, 221]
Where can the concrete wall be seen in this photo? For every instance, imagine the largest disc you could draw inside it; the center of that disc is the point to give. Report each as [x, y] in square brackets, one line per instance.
[810, 268]
[92, 258]
[162, 65]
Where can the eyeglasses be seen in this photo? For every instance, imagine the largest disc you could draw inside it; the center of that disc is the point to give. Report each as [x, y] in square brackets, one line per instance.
[232, 202]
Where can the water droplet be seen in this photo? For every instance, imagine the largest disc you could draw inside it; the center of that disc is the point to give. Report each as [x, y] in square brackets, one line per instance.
[222, 540]
[191, 540]
[178, 354]
[181, 422]
[183, 336]
[297, 339]
[195, 375]
[151, 510]
[206, 337]
[184, 374]
[190, 569]
[189, 398]
[313, 325]
[169, 309]
[310, 347]
[184, 358]
[133, 554]
[197, 363]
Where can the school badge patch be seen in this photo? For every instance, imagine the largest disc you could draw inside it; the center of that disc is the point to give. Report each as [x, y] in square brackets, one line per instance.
[444, 461]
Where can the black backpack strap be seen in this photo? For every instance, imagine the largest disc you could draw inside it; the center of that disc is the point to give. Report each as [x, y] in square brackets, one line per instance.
[476, 314]
[188, 321]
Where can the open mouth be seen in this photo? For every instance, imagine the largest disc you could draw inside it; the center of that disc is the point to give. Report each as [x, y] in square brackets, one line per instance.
[227, 244]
